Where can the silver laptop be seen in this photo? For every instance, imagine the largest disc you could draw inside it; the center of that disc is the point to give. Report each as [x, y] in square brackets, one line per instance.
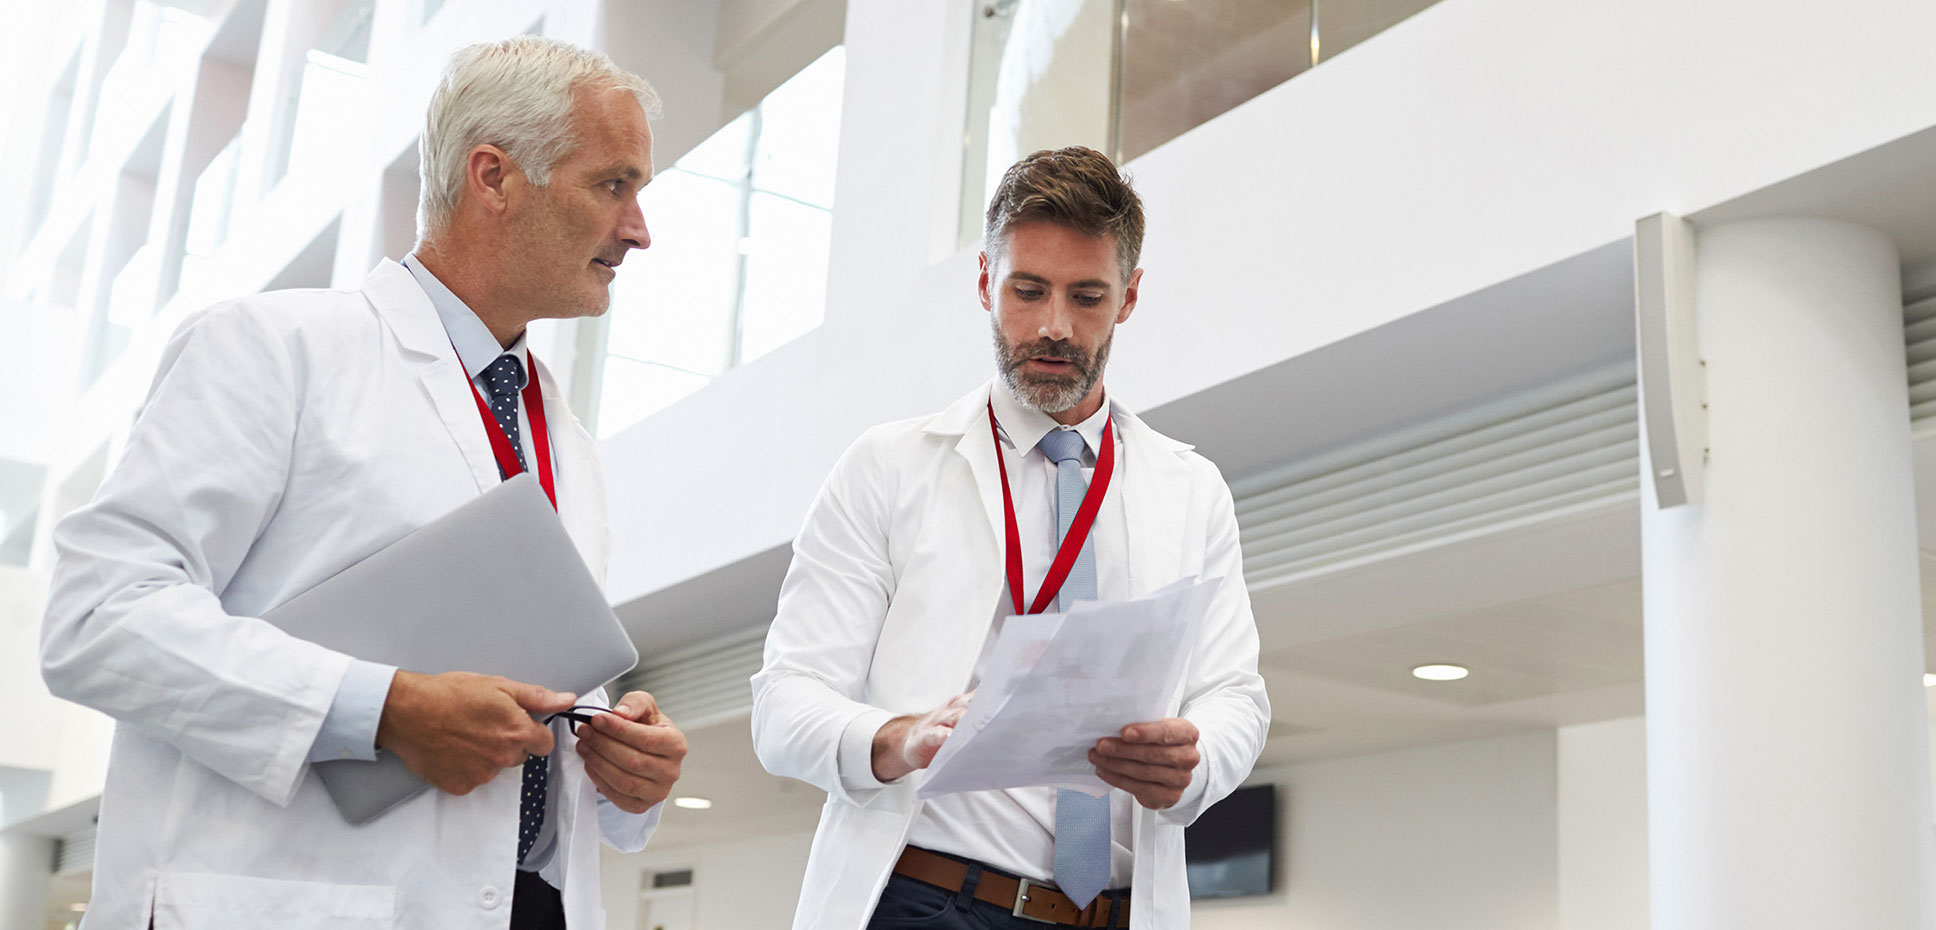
[494, 587]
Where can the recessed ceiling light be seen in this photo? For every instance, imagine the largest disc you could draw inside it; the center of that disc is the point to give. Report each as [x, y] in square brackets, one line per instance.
[1440, 672]
[1929, 680]
[692, 804]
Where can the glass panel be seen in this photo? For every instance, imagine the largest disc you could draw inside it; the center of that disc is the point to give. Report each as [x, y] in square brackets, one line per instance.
[635, 390]
[1041, 76]
[322, 102]
[738, 263]
[328, 106]
[672, 303]
[800, 133]
[786, 273]
[1184, 63]
[723, 154]
[1345, 23]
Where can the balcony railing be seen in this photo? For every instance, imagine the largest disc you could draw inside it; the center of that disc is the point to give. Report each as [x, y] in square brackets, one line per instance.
[1125, 76]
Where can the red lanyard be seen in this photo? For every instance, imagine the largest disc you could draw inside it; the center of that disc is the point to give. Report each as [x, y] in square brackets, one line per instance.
[507, 458]
[1065, 557]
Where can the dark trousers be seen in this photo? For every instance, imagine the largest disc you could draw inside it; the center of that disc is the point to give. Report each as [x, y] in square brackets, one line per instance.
[535, 905]
[906, 903]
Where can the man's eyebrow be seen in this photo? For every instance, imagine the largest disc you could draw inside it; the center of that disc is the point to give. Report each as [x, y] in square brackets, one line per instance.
[628, 171]
[1038, 279]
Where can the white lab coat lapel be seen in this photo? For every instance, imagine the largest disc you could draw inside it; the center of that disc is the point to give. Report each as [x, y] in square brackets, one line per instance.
[1153, 520]
[407, 311]
[968, 418]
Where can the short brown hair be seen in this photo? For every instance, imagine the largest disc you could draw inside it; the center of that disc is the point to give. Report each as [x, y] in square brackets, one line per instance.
[1075, 187]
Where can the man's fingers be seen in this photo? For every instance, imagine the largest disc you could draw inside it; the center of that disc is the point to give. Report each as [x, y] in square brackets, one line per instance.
[1152, 796]
[538, 740]
[1171, 731]
[1164, 775]
[639, 706]
[627, 755]
[1185, 756]
[537, 699]
[631, 794]
[651, 780]
[659, 739]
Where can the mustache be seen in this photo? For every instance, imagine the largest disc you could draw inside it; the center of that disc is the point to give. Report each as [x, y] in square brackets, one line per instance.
[1060, 348]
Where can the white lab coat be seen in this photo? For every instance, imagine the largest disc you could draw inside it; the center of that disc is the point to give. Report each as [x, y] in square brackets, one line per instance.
[893, 588]
[285, 437]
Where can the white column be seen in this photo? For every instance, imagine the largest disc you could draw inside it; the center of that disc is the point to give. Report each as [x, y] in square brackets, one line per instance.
[26, 872]
[1787, 745]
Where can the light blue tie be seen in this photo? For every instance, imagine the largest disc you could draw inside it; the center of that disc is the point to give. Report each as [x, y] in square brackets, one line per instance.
[1081, 821]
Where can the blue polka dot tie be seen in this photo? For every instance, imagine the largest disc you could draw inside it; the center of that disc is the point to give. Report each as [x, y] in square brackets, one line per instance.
[503, 379]
[1081, 821]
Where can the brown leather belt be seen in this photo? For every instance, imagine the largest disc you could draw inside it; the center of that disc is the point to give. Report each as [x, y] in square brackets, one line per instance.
[1019, 896]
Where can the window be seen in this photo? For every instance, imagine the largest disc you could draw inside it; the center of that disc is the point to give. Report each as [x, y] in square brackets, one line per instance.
[738, 262]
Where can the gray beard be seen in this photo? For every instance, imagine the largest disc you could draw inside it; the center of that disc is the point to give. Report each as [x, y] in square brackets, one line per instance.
[1048, 393]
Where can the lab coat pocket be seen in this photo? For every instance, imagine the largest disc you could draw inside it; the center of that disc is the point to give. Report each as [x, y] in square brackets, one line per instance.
[185, 901]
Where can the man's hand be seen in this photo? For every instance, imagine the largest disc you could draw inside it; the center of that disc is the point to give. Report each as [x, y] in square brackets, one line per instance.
[457, 730]
[907, 743]
[1152, 761]
[632, 754]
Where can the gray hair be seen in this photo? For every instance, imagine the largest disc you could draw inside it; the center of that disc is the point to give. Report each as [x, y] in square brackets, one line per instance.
[516, 94]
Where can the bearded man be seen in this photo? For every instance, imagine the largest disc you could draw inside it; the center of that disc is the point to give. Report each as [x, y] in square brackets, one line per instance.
[902, 571]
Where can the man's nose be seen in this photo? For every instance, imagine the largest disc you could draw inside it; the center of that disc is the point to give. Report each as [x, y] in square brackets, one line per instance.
[631, 228]
[1059, 322]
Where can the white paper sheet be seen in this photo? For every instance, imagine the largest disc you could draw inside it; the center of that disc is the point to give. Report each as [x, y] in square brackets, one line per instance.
[1054, 684]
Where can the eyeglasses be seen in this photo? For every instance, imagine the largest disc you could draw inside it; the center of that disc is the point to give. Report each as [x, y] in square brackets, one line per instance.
[582, 713]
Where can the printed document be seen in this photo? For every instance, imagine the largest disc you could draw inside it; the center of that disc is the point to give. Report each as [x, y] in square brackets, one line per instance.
[1053, 684]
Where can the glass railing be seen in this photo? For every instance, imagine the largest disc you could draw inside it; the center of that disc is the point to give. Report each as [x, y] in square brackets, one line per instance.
[1125, 76]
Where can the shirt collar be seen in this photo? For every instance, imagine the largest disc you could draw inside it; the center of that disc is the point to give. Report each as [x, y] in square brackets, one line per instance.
[476, 347]
[1024, 426]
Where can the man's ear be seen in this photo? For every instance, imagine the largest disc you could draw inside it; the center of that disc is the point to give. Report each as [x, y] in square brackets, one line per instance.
[486, 172]
[987, 297]
[1129, 296]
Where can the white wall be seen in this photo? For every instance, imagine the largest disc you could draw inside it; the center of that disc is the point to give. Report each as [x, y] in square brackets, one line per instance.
[1452, 837]
[750, 883]
[1603, 825]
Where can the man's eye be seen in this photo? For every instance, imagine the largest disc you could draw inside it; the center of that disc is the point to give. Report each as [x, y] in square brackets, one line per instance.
[614, 185]
[1089, 300]
[1028, 293]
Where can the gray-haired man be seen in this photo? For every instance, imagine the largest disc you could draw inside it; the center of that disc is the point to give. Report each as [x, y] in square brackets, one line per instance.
[291, 433]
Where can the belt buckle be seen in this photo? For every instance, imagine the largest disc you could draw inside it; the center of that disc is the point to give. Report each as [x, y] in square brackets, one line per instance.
[1022, 897]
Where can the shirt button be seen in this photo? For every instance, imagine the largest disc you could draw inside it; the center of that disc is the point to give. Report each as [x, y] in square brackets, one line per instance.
[488, 897]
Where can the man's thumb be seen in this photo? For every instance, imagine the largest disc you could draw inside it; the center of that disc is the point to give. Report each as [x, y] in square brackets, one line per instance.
[539, 699]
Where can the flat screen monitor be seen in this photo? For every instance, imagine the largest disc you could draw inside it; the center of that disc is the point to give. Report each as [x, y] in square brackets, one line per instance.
[1230, 851]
